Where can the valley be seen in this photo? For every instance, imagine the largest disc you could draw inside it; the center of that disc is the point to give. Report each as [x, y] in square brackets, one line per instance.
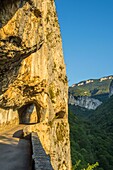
[91, 131]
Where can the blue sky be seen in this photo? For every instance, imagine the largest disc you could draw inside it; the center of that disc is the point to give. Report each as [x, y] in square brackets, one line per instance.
[87, 34]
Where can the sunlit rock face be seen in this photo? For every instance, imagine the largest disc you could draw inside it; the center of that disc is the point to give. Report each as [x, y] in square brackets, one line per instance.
[84, 101]
[111, 89]
[32, 72]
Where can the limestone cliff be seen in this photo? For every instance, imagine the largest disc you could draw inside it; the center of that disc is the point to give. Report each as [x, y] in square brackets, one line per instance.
[32, 74]
[84, 101]
[111, 89]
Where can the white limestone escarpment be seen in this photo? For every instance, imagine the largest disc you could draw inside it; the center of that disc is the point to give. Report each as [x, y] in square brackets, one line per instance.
[111, 89]
[32, 71]
[84, 101]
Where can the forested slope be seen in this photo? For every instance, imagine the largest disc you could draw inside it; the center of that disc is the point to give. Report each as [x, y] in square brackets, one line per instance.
[92, 135]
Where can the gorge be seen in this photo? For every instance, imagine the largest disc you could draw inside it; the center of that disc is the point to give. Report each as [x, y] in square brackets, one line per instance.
[92, 128]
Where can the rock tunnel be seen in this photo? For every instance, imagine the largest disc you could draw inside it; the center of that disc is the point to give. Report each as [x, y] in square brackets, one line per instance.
[29, 114]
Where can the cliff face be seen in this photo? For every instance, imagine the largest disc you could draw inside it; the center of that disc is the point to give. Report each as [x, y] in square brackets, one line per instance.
[84, 101]
[32, 74]
[111, 89]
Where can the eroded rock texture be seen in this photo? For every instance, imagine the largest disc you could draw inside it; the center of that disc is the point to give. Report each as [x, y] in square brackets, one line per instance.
[84, 101]
[32, 73]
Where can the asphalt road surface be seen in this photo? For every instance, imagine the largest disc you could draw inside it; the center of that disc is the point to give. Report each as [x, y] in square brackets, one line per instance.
[15, 151]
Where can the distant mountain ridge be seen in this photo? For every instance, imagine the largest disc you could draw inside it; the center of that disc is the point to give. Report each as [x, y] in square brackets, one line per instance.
[91, 122]
[81, 83]
[91, 87]
[91, 93]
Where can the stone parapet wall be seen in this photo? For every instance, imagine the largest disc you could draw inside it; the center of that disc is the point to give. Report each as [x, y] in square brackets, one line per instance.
[40, 158]
[54, 137]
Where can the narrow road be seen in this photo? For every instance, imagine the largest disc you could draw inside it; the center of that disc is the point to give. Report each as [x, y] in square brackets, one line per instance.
[15, 151]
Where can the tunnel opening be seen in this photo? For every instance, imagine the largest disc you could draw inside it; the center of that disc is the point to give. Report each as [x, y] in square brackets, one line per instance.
[29, 114]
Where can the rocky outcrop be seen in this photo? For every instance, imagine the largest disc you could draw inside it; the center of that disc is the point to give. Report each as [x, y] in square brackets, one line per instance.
[8, 118]
[32, 72]
[84, 101]
[111, 89]
[82, 83]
